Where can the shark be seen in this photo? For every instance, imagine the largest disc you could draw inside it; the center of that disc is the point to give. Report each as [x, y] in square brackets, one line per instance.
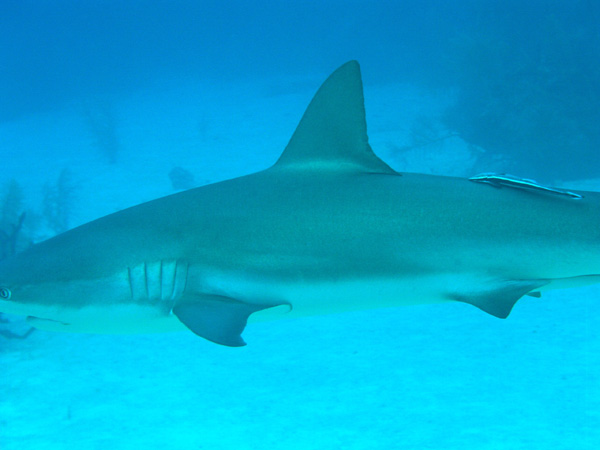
[330, 227]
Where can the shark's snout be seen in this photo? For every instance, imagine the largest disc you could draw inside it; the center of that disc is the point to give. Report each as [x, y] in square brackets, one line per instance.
[8, 298]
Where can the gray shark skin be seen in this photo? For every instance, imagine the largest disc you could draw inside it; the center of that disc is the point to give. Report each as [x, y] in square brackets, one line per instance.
[329, 228]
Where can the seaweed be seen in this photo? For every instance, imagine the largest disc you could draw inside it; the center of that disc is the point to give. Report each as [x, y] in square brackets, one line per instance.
[12, 219]
[9, 239]
[12, 204]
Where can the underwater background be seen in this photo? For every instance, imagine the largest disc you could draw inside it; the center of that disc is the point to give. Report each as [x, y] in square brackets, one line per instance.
[107, 104]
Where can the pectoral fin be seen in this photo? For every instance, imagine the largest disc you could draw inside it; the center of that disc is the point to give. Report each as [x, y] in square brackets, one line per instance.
[499, 299]
[216, 318]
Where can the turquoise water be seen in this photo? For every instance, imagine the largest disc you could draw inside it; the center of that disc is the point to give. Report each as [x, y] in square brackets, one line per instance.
[115, 95]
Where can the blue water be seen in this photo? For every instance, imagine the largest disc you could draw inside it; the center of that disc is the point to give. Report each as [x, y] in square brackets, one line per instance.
[118, 94]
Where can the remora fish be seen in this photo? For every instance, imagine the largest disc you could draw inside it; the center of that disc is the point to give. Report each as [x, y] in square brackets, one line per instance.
[330, 227]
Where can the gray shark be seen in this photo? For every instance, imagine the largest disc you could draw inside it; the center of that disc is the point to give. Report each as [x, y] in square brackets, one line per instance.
[330, 227]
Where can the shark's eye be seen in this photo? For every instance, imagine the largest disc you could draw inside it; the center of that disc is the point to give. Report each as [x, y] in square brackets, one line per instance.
[4, 293]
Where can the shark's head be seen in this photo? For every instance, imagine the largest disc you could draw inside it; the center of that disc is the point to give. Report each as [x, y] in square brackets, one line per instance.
[58, 279]
[27, 282]
[92, 278]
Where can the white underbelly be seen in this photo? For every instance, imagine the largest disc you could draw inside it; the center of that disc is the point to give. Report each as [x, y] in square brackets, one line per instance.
[320, 298]
[108, 319]
[305, 299]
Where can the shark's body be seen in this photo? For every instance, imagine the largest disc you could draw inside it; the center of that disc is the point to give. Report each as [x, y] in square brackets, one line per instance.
[328, 228]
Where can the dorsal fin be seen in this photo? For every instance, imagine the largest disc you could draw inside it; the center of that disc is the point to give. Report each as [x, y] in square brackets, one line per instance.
[332, 134]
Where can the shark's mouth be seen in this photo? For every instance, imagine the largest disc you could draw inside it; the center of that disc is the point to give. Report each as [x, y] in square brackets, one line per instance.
[46, 324]
[34, 321]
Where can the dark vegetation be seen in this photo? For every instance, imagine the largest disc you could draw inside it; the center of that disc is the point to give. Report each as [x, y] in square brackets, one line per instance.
[19, 228]
[12, 221]
[528, 88]
[12, 238]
